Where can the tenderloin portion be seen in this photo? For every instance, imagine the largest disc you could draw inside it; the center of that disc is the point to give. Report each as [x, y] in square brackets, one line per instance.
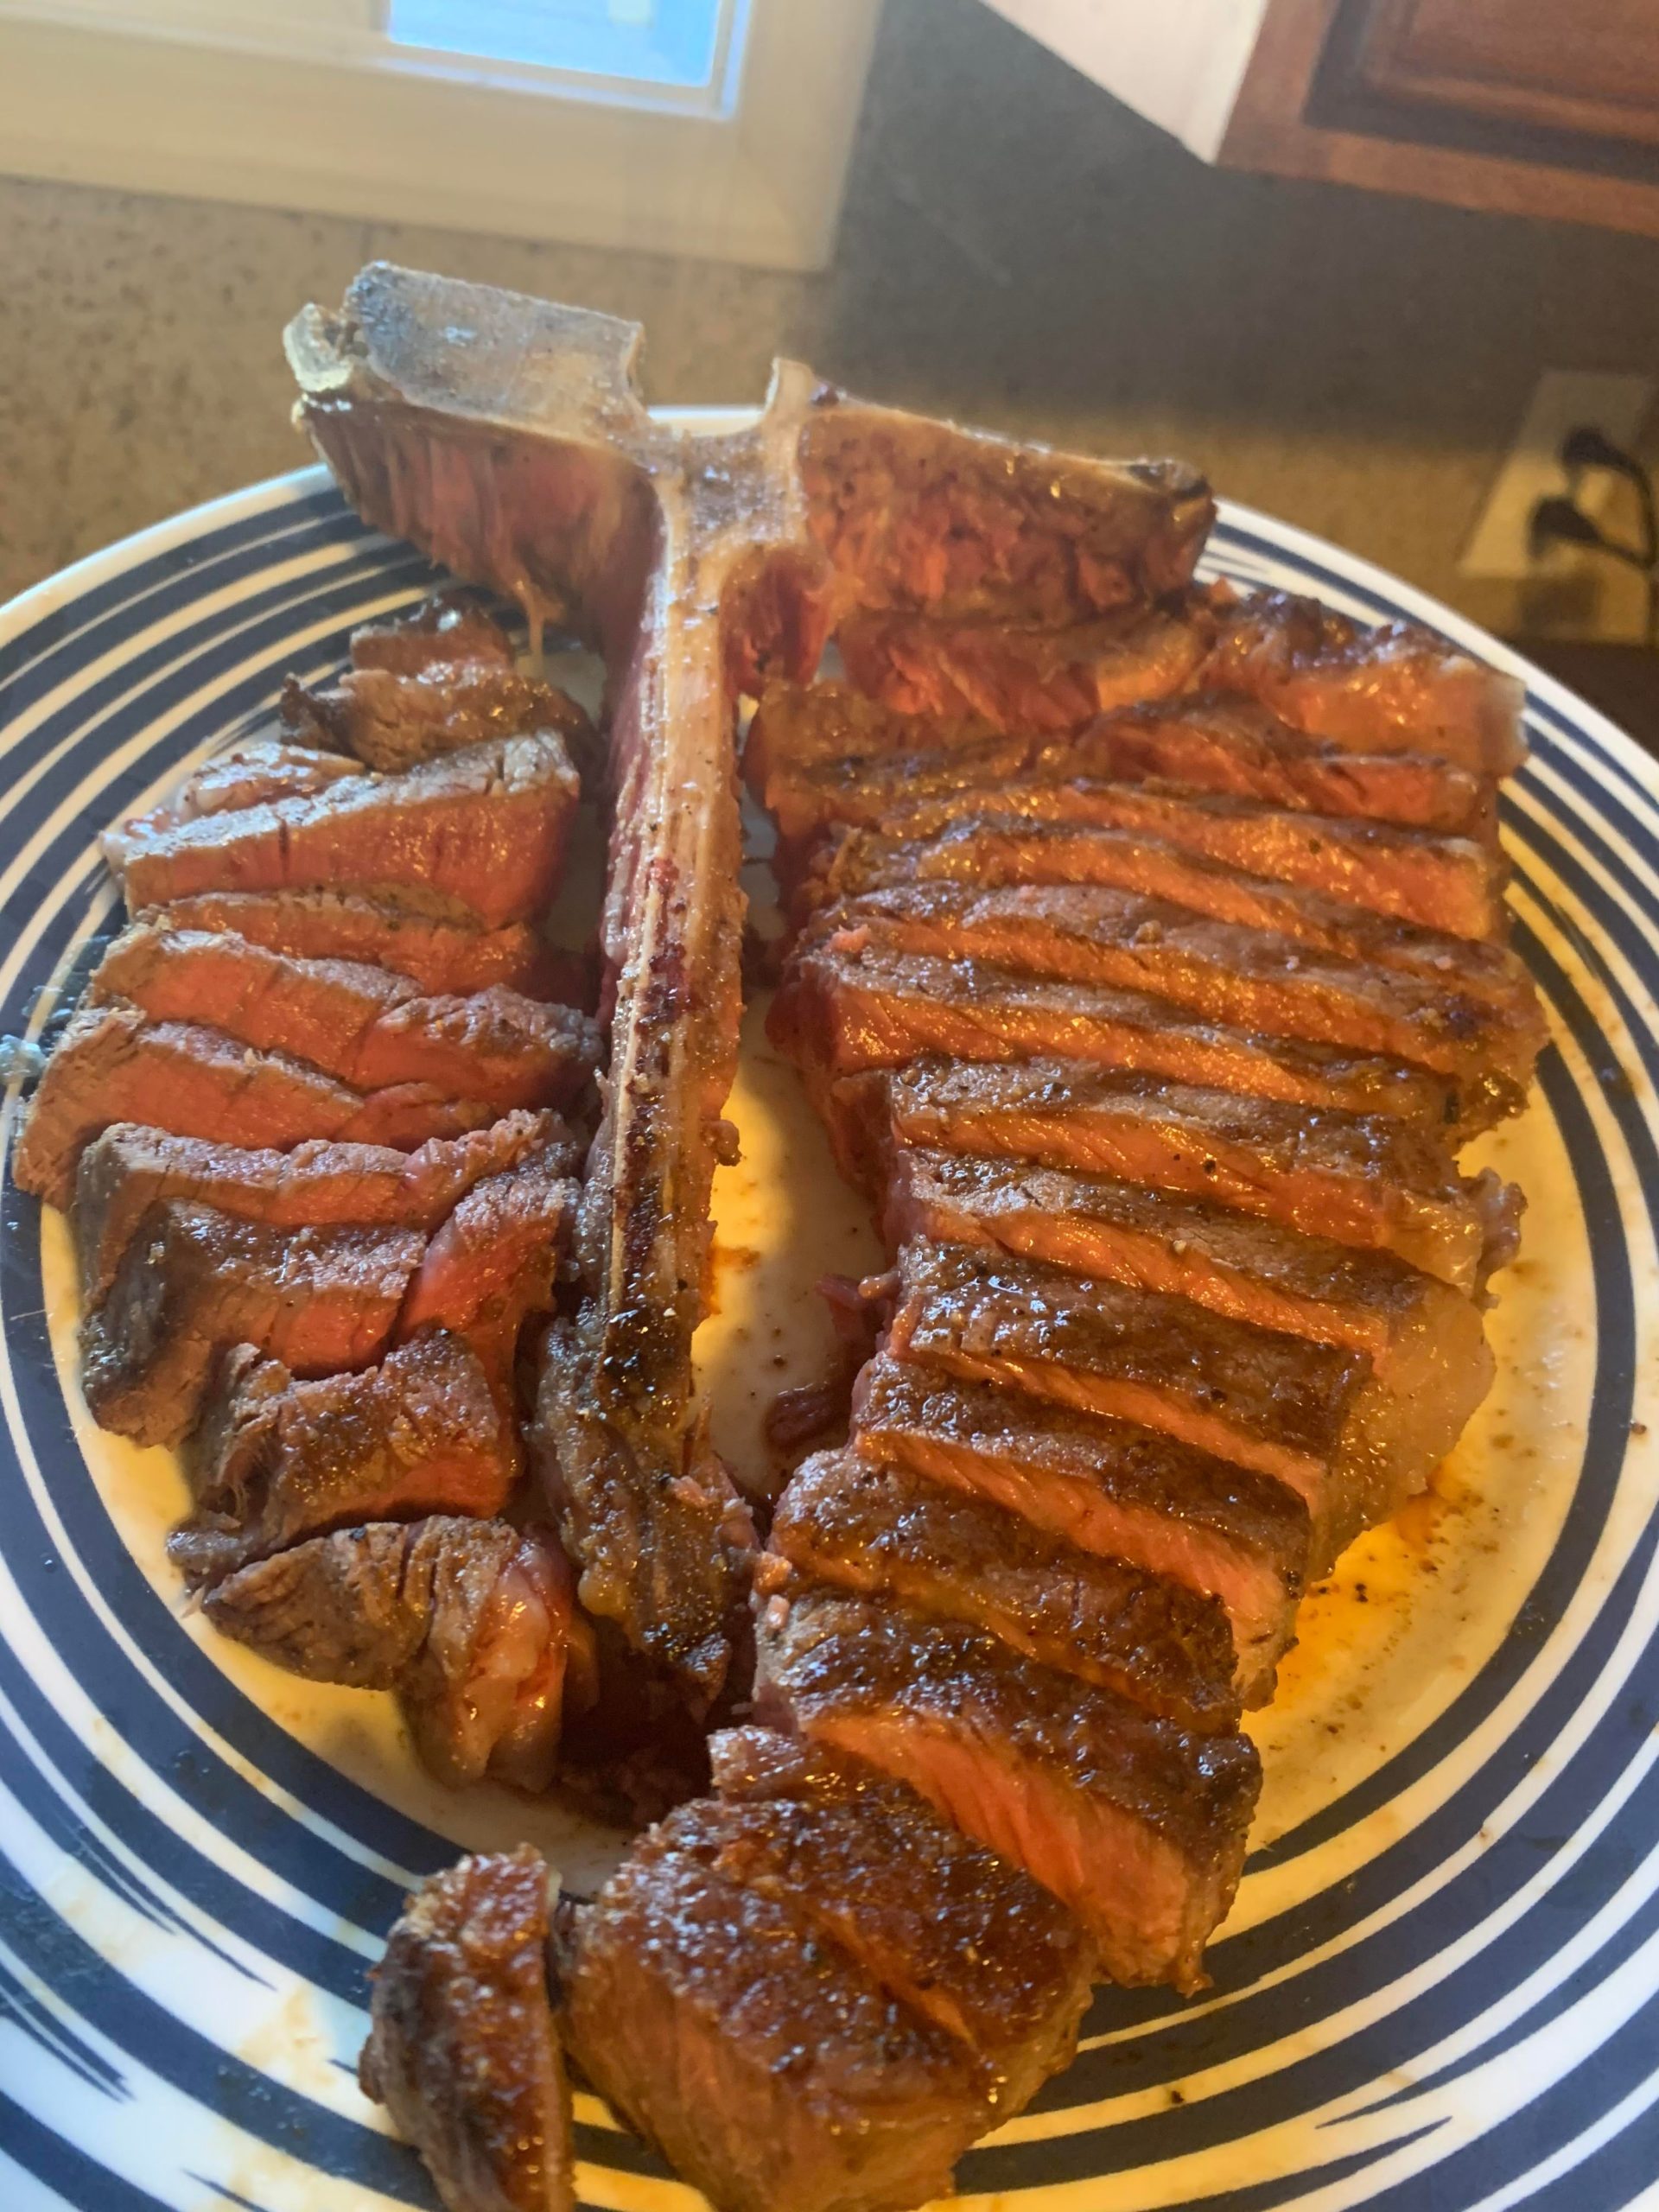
[110, 1064]
[440, 957]
[1110, 1488]
[846, 1006]
[277, 1460]
[1373, 1181]
[193, 1282]
[250, 774]
[964, 1938]
[883, 1531]
[1311, 1415]
[492, 1263]
[1424, 1339]
[450, 625]
[367, 1027]
[394, 718]
[1136, 1824]
[462, 2047]
[770, 2068]
[470, 1622]
[484, 827]
[130, 1169]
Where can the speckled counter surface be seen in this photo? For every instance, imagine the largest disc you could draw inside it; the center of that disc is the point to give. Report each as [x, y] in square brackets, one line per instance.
[1017, 250]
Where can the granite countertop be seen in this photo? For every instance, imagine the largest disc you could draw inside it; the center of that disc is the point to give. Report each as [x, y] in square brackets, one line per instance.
[1017, 250]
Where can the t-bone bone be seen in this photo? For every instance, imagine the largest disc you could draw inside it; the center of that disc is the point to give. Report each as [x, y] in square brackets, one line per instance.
[507, 437]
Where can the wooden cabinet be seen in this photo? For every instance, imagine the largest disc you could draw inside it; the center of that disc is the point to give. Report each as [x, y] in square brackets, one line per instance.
[1541, 107]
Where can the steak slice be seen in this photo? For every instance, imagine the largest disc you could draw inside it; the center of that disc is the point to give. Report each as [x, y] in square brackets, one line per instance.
[828, 724]
[130, 1168]
[922, 514]
[1370, 1180]
[1253, 979]
[367, 1028]
[888, 1533]
[993, 851]
[1424, 1339]
[1136, 1824]
[395, 718]
[842, 1008]
[770, 2068]
[1109, 1488]
[1397, 688]
[963, 1937]
[449, 626]
[492, 1263]
[110, 1064]
[1311, 1415]
[1023, 679]
[463, 2050]
[250, 774]
[484, 828]
[469, 1623]
[193, 1282]
[276, 1461]
[440, 957]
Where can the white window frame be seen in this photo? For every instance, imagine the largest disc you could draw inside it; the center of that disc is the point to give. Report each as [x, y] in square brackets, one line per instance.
[303, 104]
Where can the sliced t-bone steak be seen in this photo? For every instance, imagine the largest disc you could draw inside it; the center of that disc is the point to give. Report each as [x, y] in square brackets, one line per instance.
[492, 1263]
[463, 2050]
[887, 1532]
[1014, 678]
[769, 2066]
[356, 1022]
[1107, 1487]
[250, 774]
[471, 1623]
[1424, 1339]
[277, 1460]
[993, 851]
[844, 1006]
[1311, 1415]
[484, 827]
[829, 724]
[193, 1282]
[394, 719]
[439, 955]
[1137, 1825]
[964, 1938]
[1398, 688]
[449, 626]
[130, 1168]
[1253, 978]
[110, 1064]
[1372, 1180]
[923, 514]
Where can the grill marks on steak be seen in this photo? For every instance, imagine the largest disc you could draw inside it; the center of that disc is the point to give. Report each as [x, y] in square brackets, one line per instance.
[470, 1624]
[963, 1937]
[110, 1064]
[1137, 1825]
[770, 2068]
[439, 956]
[1108, 1487]
[277, 1460]
[484, 828]
[357, 1023]
[463, 2050]
[1253, 978]
[886, 1532]
[130, 1169]
[1310, 1416]
[194, 1282]
[847, 1005]
[1373, 1181]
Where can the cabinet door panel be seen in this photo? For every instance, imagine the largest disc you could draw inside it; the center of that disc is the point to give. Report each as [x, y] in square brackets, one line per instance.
[1590, 66]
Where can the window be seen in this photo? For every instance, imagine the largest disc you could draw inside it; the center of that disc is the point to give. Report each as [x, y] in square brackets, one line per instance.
[714, 127]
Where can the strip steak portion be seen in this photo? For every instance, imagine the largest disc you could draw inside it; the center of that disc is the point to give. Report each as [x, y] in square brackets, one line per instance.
[885, 1532]
[438, 955]
[1136, 1824]
[463, 2050]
